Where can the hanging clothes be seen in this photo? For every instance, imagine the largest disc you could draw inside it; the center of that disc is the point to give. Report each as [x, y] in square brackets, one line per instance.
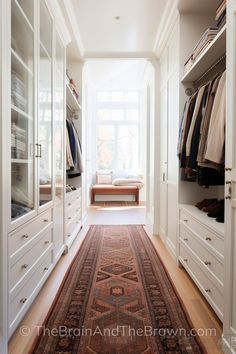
[216, 134]
[202, 134]
[74, 151]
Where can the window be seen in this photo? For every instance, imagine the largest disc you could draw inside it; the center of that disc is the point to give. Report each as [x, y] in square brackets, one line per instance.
[118, 130]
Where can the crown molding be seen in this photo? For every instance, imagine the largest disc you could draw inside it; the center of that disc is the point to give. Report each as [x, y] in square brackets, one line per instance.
[74, 26]
[167, 23]
[60, 21]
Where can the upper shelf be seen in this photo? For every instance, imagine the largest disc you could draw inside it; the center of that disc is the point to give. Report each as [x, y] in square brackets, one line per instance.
[214, 51]
[71, 100]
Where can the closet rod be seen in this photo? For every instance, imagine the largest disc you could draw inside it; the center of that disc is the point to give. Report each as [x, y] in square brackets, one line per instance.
[216, 66]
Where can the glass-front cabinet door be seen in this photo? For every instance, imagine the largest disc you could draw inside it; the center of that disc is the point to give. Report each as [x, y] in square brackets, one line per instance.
[22, 109]
[45, 107]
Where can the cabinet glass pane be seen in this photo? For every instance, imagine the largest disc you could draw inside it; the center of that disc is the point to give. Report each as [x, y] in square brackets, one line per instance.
[22, 36]
[59, 118]
[28, 9]
[45, 29]
[22, 114]
[45, 128]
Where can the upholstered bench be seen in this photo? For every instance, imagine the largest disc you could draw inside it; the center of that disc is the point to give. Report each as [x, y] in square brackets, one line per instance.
[109, 189]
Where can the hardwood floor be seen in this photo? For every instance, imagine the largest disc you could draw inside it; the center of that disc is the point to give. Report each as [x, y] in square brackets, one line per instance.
[199, 311]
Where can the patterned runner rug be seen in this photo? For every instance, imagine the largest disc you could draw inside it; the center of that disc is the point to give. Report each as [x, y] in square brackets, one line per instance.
[117, 298]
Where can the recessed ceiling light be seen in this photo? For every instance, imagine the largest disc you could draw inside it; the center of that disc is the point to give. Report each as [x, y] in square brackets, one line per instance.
[117, 17]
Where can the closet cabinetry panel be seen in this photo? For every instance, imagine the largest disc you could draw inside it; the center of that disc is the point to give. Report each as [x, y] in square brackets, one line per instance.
[35, 174]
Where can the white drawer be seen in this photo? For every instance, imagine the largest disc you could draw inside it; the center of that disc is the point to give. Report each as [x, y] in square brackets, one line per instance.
[213, 239]
[73, 212]
[26, 234]
[26, 264]
[74, 225]
[25, 296]
[208, 288]
[72, 197]
[209, 261]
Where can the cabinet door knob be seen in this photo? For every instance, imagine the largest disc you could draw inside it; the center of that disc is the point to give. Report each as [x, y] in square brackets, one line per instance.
[46, 268]
[207, 290]
[69, 235]
[207, 263]
[45, 220]
[25, 236]
[22, 301]
[24, 266]
[69, 204]
[69, 218]
[208, 239]
[185, 259]
[46, 242]
[185, 220]
[185, 239]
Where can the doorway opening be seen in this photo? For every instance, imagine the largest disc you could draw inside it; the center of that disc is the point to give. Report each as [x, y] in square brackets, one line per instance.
[117, 114]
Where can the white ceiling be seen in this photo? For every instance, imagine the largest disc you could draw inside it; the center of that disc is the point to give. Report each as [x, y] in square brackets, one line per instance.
[101, 35]
[117, 74]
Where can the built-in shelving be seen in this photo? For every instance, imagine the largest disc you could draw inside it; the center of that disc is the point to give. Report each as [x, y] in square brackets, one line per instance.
[71, 100]
[21, 161]
[204, 219]
[212, 53]
[22, 113]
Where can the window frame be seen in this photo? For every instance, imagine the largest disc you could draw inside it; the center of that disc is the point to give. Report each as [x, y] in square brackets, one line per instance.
[124, 105]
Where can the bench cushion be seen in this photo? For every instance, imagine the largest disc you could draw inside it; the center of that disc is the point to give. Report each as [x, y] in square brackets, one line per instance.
[110, 186]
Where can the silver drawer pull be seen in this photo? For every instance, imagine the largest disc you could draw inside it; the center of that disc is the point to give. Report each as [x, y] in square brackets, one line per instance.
[22, 301]
[208, 238]
[24, 266]
[185, 239]
[207, 263]
[185, 259]
[46, 268]
[207, 290]
[69, 218]
[46, 242]
[45, 220]
[25, 236]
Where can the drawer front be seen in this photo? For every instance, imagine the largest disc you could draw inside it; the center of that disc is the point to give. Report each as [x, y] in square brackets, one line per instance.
[73, 215]
[209, 261]
[215, 241]
[24, 298]
[72, 198]
[26, 263]
[207, 287]
[25, 235]
[73, 210]
[74, 225]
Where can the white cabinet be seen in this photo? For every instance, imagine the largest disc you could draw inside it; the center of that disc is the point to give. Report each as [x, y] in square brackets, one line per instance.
[33, 133]
[201, 252]
[229, 328]
[73, 215]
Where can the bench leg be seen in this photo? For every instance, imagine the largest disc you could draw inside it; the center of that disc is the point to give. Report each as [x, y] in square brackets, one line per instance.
[137, 197]
[92, 196]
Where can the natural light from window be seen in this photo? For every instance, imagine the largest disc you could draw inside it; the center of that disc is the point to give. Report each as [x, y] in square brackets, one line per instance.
[118, 130]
